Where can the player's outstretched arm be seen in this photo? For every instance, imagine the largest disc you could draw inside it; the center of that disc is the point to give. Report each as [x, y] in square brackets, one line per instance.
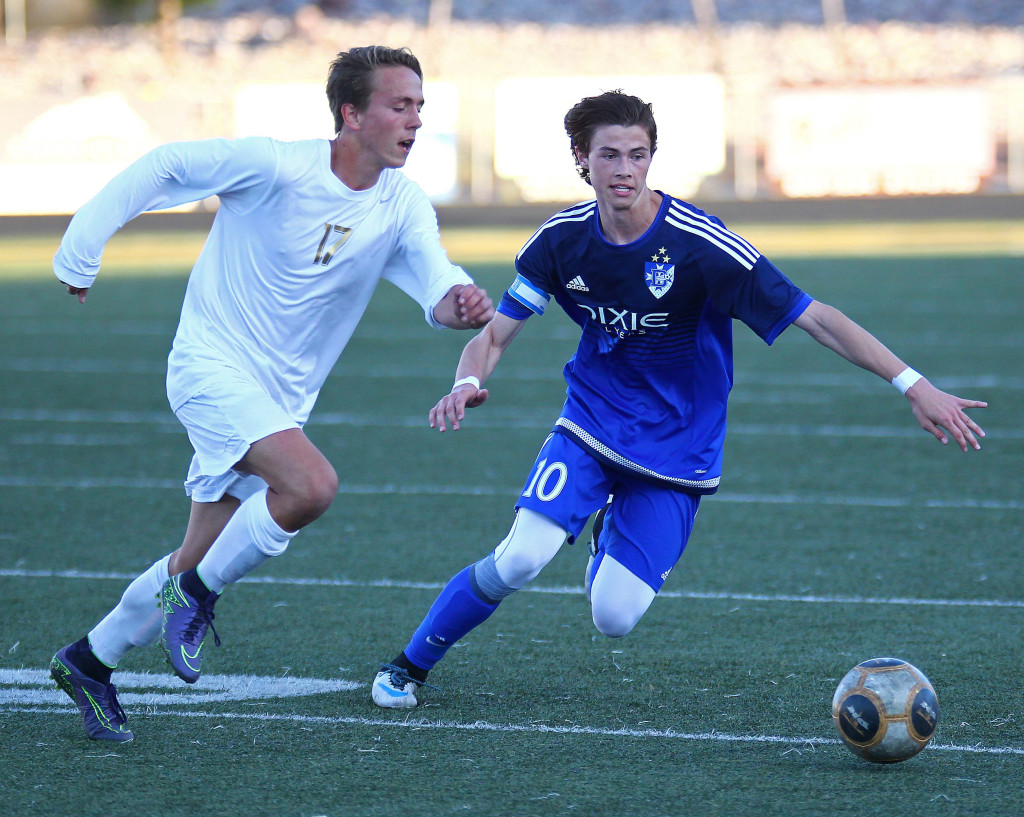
[940, 414]
[478, 361]
[464, 307]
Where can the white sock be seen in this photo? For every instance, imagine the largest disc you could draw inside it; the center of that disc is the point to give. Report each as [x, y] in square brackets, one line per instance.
[136, 620]
[250, 537]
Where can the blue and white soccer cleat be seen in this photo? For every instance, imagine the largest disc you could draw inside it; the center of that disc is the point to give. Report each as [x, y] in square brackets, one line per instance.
[394, 688]
[186, 620]
[102, 715]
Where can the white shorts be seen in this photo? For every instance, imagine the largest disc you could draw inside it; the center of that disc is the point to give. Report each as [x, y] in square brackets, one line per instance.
[223, 419]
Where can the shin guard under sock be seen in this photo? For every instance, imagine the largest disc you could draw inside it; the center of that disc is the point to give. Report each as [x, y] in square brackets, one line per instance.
[458, 609]
[135, 621]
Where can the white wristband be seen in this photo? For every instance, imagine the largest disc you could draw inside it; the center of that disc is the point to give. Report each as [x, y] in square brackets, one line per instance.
[905, 379]
[473, 380]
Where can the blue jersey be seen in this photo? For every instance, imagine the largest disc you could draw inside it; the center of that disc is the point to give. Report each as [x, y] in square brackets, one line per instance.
[649, 382]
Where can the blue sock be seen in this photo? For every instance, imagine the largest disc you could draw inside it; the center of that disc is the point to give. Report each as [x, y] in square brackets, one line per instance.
[458, 609]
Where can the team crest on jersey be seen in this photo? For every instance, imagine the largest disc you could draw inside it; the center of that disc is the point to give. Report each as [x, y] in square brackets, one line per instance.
[659, 274]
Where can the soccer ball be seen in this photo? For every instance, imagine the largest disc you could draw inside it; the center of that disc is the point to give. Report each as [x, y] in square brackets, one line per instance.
[885, 710]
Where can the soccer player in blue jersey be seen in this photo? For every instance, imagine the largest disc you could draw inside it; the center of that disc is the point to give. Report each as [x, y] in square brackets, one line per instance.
[655, 285]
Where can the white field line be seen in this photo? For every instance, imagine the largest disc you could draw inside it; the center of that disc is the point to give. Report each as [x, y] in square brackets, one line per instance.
[557, 590]
[399, 371]
[28, 325]
[540, 419]
[388, 489]
[542, 422]
[533, 728]
[35, 688]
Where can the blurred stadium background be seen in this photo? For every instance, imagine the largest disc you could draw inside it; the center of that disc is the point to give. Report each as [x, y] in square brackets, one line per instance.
[788, 103]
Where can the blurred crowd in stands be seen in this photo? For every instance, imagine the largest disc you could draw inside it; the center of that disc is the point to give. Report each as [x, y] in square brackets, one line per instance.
[210, 50]
[617, 12]
[186, 75]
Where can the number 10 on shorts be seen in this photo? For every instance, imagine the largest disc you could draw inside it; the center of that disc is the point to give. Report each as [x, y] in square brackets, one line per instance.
[548, 480]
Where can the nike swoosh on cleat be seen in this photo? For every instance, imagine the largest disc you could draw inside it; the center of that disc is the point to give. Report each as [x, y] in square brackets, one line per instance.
[394, 693]
[188, 659]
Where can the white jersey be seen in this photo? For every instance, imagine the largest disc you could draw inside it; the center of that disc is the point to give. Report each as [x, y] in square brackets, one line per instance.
[290, 264]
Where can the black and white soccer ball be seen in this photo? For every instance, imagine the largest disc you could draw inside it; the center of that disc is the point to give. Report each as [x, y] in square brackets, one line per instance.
[885, 709]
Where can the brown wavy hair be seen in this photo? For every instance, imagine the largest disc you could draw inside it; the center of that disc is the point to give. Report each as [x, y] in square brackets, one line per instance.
[610, 108]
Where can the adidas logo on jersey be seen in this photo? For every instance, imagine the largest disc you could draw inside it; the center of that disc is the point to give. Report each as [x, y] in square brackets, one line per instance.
[577, 283]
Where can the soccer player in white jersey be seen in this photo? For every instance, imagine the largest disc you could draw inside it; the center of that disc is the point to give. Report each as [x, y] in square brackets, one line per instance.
[655, 285]
[304, 232]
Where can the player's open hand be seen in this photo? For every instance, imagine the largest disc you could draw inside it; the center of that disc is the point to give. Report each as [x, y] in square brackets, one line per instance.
[474, 307]
[451, 408]
[943, 415]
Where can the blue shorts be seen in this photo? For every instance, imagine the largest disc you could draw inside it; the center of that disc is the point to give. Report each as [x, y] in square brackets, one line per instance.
[647, 526]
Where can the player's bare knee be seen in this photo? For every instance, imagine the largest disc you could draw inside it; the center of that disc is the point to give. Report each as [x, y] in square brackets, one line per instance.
[321, 492]
[310, 497]
[327, 488]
